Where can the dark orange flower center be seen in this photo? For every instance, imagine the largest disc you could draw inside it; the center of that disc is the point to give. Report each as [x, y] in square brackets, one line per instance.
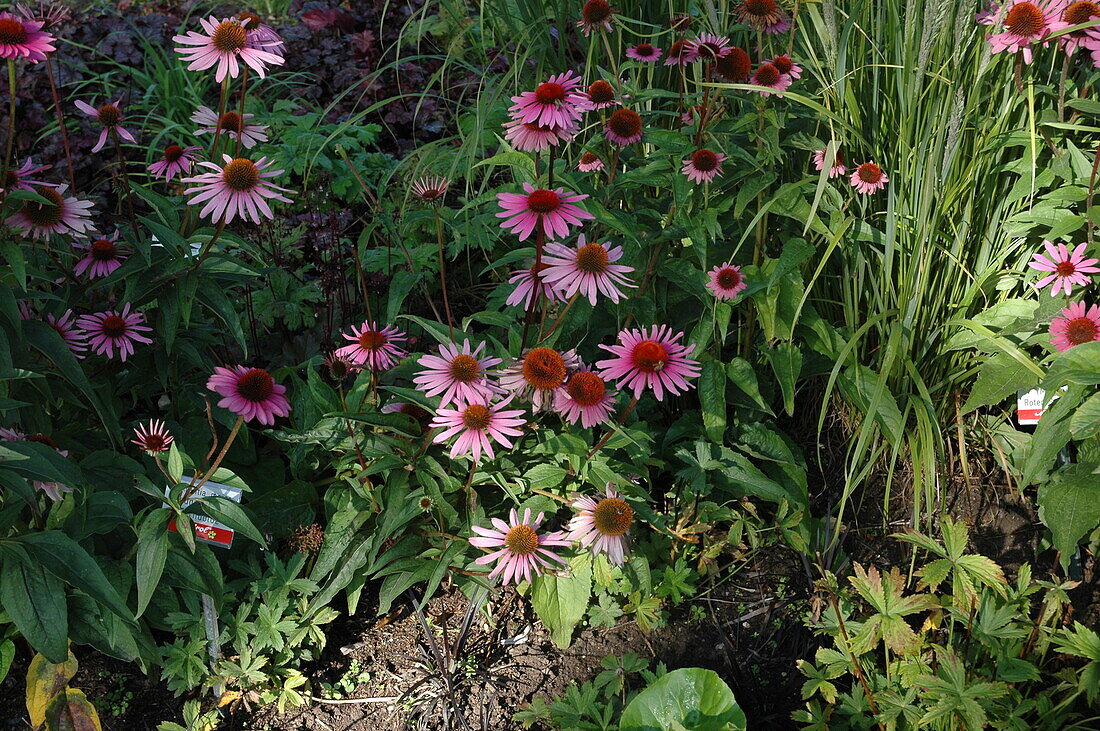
[1065, 269]
[229, 37]
[256, 385]
[735, 65]
[783, 63]
[1081, 12]
[113, 326]
[477, 417]
[231, 122]
[544, 369]
[42, 439]
[371, 340]
[550, 92]
[649, 356]
[678, 49]
[613, 516]
[1081, 330]
[704, 160]
[767, 75]
[249, 20]
[728, 278]
[1025, 19]
[596, 11]
[44, 215]
[464, 368]
[600, 92]
[761, 8]
[869, 172]
[586, 388]
[109, 115]
[241, 175]
[645, 50]
[172, 153]
[592, 259]
[625, 123]
[588, 158]
[543, 201]
[522, 540]
[104, 250]
[153, 443]
[12, 32]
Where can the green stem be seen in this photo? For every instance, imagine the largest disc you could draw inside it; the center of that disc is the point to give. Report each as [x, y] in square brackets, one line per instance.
[11, 119]
[443, 272]
[217, 462]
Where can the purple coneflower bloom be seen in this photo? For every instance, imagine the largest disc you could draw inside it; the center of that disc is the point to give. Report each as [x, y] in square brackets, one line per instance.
[767, 74]
[709, 47]
[1068, 268]
[838, 168]
[461, 375]
[726, 281]
[1075, 325]
[735, 66]
[528, 137]
[587, 269]
[64, 325]
[1024, 24]
[374, 347]
[585, 398]
[551, 210]
[650, 358]
[554, 103]
[680, 53]
[602, 95]
[539, 375]
[703, 166]
[224, 43]
[430, 190]
[19, 178]
[61, 215]
[589, 163]
[236, 126]
[624, 127]
[176, 161]
[241, 188]
[595, 16]
[249, 392]
[869, 178]
[603, 525]
[153, 437]
[644, 52]
[787, 67]
[110, 117]
[22, 38]
[103, 257]
[261, 35]
[521, 553]
[477, 426]
[109, 330]
[530, 284]
[763, 15]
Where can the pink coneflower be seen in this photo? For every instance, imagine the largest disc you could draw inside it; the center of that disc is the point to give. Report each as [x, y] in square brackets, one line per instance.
[261, 35]
[787, 67]
[726, 281]
[1075, 326]
[374, 347]
[176, 161]
[735, 66]
[23, 38]
[558, 102]
[838, 168]
[539, 375]
[764, 15]
[421, 415]
[1076, 13]
[153, 437]
[709, 47]
[249, 392]
[589, 163]
[602, 95]
[551, 210]
[110, 117]
[53, 490]
[595, 16]
[529, 285]
[64, 325]
[527, 137]
[703, 166]
[680, 53]
[588, 269]
[987, 16]
[430, 190]
[644, 52]
[19, 178]
[461, 375]
[869, 178]
[585, 398]
[236, 126]
[1068, 268]
[603, 525]
[477, 426]
[650, 358]
[103, 257]
[241, 188]
[1024, 24]
[767, 74]
[109, 330]
[224, 43]
[61, 215]
[624, 127]
[521, 553]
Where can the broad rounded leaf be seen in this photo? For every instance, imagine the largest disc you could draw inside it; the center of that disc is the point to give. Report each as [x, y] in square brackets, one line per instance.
[689, 698]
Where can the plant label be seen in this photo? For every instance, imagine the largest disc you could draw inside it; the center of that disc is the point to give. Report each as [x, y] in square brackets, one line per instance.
[207, 529]
[1030, 405]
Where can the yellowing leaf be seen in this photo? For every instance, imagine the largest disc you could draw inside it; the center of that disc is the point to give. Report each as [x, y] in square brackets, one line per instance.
[70, 710]
[45, 680]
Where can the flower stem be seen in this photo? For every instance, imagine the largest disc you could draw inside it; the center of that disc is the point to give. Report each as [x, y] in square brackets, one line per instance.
[240, 110]
[443, 272]
[221, 112]
[209, 244]
[61, 123]
[536, 294]
[125, 182]
[618, 423]
[11, 119]
[217, 462]
[561, 317]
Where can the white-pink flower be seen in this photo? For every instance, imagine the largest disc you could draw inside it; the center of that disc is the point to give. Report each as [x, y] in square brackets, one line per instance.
[521, 548]
[1067, 268]
[477, 426]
